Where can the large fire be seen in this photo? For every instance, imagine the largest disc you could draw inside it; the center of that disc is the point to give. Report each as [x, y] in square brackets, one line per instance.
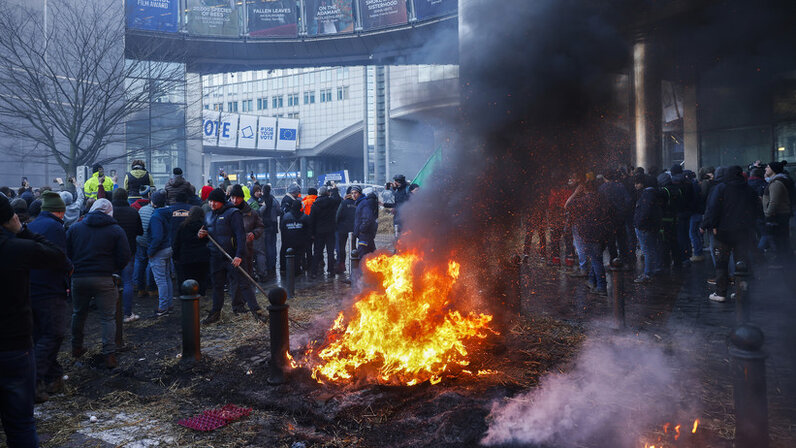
[406, 332]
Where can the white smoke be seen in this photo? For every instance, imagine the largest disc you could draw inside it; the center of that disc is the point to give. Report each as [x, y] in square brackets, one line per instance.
[617, 387]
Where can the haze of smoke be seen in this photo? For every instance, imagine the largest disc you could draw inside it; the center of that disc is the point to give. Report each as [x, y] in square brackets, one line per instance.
[615, 388]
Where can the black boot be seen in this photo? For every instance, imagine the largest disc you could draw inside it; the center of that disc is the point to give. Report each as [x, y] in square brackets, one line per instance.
[212, 317]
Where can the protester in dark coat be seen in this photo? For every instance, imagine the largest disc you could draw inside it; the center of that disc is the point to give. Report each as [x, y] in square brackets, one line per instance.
[20, 251]
[130, 221]
[401, 195]
[176, 185]
[619, 203]
[159, 252]
[243, 291]
[137, 178]
[731, 212]
[295, 229]
[344, 220]
[269, 213]
[98, 248]
[592, 224]
[365, 221]
[647, 218]
[225, 225]
[322, 225]
[48, 292]
[191, 255]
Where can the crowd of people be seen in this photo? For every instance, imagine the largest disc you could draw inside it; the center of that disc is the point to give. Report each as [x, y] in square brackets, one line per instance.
[741, 217]
[82, 244]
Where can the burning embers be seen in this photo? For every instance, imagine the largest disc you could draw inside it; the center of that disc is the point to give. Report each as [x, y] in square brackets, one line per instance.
[672, 435]
[405, 332]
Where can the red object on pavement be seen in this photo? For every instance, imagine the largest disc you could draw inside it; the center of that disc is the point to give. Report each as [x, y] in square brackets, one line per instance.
[203, 423]
[229, 412]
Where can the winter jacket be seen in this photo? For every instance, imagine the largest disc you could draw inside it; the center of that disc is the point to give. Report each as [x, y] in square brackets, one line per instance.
[286, 201]
[308, 201]
[758, 184]
[648, 213]
[129, 220]
[295, 230]
[48, 282]
[187, 247]
[270, 213]
[322, 217]
[178, 213]
[776, 197]
[590, 216]
[733, 206]
[72, 213]
[18, 255]
[146, 215]
[252, 223]
[135, 179]
[615, 197]
[365, 218]
[91, 187]
[345, 216]
[159, 228]
[225, 225]
[176, 185]
[97, 246]
[400, 196]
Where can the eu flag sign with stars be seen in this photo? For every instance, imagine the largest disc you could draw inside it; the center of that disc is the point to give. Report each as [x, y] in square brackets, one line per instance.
[287, 134]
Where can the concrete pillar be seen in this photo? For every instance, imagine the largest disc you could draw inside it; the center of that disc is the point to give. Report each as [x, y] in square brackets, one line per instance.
[693, 156]
[303, 172]
[647, 102]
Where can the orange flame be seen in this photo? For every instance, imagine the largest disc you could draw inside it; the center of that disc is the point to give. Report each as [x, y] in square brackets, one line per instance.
[405, 333]
[677, 430]
[696, 425]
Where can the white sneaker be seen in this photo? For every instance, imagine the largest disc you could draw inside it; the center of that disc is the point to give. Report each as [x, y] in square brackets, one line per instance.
[717, 298]
[131, 318]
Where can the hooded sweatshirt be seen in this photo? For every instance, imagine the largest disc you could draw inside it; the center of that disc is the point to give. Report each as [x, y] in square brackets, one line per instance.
[72, 209]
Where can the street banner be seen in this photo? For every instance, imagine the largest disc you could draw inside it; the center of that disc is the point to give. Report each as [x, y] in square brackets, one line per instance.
[338, 177]
[266, 135]
[272, 18]
[287, 134]
[154, 15]
[247, 135]
[228, 130]
[214, 18]
[329, 16]
[429, 9]
[210, 127]
[382, 13]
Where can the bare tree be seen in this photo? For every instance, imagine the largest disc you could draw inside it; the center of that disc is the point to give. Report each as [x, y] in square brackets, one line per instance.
[66, 85]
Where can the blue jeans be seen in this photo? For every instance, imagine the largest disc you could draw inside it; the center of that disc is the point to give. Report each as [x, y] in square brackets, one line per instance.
[127, 281]
[105, 294]
[579, 249]
[49, 330]
[650, 247]
[17, 388]
[142, 274]
[161, 269]
[713, 245]
[697, 241]
[594, 251]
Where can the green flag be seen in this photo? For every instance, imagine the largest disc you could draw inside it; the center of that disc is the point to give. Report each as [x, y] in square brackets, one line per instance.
[428, 169]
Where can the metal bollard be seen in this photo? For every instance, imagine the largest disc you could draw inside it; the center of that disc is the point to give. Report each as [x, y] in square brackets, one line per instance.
[280, 335]
[352, 246]
[618, 294]
[742, 313]
[355, 273]
[119, 314]
[290, 271]
[191, 343]
[749, 383]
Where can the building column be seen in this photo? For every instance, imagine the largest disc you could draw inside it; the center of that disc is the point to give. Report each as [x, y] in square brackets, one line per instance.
[647, 102]
[693, 156]
[303, 173]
